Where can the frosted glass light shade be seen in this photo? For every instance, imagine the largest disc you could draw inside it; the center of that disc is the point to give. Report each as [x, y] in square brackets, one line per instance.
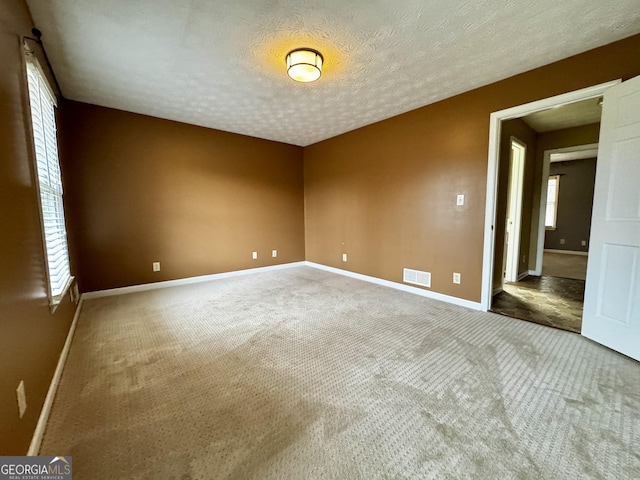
[304, 64]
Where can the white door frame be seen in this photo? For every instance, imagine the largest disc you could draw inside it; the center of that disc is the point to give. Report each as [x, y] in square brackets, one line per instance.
[546, 163]
[516, 181]
[495, 121]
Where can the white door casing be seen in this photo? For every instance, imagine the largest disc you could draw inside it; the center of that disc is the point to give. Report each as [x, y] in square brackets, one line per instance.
[546, 163]
[612, 294]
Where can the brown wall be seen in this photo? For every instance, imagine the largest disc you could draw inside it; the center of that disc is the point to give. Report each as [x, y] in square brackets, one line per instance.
[385, 193]
[523, 132]
[142, 189]
[31, 337]
[567, 137]
[575, 202]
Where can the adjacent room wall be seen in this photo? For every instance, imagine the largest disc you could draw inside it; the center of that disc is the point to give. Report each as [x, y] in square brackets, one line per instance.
[31, 337]
[575, 202]
[567, 137]
[385, 194]
[199, 201]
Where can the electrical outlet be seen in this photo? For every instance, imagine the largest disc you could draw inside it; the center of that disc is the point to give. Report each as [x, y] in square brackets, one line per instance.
[456, 278]
[344, 257]
[524, 258]
[156, 266]
[254, 255]
[562, 241]
[22, 398]
[274, 253]
[460, 200]
[584, 243]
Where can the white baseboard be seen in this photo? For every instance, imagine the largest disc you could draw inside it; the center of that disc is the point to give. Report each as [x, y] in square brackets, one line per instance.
[205, 278]
[523, 275]
[535, 273]
[36, 440]
[566, 252]
[399, 286]
[496, 291]
[185, 281]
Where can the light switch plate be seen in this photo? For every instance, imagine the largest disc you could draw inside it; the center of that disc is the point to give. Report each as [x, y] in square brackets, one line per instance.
[254, 255]
[460, 200]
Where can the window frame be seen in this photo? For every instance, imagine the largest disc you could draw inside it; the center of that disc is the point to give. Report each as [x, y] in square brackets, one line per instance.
[45, 92]
[555, 203]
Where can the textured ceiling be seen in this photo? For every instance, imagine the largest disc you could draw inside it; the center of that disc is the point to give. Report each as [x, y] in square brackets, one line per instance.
[570, 115]
[220, 64]
[575, 155]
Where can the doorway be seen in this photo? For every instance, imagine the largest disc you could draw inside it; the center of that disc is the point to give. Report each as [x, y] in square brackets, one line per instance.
[553, 294]
[537, 284]
[551, 156]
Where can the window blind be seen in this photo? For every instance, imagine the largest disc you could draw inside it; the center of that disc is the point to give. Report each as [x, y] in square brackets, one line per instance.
[49, 180]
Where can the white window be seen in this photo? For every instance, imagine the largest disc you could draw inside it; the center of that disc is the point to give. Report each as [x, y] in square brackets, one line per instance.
[45, 142]
[551, 216]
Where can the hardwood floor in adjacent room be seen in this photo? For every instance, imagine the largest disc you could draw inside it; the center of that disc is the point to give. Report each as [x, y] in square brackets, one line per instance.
[552, 301]
[555, 299]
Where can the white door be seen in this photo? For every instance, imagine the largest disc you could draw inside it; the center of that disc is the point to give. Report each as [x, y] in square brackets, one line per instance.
[514, 210]
[612, 296]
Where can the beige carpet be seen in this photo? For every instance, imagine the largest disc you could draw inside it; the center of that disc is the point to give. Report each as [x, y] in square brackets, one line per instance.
[564, 265]
[303, 374]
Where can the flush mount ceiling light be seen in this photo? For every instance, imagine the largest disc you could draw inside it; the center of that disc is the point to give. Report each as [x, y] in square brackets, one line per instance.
[304, 64]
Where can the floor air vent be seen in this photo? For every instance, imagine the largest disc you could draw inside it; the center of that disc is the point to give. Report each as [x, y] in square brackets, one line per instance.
[417, 277]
